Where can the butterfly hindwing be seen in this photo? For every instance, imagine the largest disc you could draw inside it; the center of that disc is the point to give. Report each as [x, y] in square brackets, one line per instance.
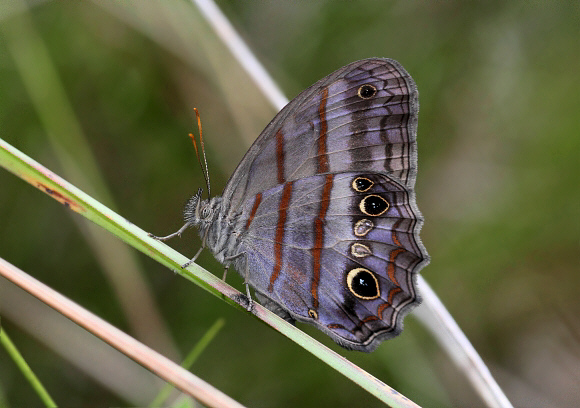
[338, 251]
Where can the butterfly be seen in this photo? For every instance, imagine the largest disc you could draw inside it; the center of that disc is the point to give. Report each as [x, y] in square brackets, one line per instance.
[320, 216]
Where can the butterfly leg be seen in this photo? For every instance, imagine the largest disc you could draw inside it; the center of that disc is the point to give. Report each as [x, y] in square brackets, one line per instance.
[248, 295]
[178, 233]
[250, 300]
[192, 260]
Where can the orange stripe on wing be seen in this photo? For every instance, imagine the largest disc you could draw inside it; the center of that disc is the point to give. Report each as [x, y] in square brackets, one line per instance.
[280, 159]
[394, 232]
[319, 238]
[382, 308]
[391, 266]
[279, 241]
[257, 201]
[392, 294]
[322, 156]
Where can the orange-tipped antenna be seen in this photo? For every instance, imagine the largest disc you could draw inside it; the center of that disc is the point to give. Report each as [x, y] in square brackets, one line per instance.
[204, 169]
[192, 137]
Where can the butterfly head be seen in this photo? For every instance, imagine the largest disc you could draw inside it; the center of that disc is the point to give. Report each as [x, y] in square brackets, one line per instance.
[198, 211]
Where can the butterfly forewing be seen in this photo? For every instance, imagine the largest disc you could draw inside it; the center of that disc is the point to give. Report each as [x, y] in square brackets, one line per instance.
[330, 127]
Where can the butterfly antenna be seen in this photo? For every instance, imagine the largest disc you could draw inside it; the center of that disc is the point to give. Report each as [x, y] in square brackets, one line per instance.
[203, 152]
[204, 169]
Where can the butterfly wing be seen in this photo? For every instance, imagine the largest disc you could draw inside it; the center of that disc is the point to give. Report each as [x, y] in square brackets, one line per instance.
[363, 117]
[309, 246]
[338, 251]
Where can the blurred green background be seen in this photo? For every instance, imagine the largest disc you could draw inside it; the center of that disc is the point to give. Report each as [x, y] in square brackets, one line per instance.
[102, 93]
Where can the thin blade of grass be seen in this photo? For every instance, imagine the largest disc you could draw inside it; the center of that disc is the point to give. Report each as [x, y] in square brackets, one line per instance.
[206, 339]
[25, 369]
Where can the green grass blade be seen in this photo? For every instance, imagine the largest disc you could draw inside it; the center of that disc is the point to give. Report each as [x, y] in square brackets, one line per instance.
[25, 369]
[206, 339]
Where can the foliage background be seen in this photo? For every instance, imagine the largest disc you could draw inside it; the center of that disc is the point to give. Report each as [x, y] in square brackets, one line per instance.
[498, 185]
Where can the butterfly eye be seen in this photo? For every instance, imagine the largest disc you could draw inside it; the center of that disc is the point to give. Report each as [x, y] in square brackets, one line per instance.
[362, 184]
[205, 212]
[367, 91]
[363, 284]
[312, 313]
[373, 205]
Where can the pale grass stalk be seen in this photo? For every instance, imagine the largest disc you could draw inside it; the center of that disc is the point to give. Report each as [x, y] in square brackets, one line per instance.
[435, 316]
[148, 358]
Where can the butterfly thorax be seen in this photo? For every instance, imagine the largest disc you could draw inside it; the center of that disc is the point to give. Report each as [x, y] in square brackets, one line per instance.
[217, 231]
